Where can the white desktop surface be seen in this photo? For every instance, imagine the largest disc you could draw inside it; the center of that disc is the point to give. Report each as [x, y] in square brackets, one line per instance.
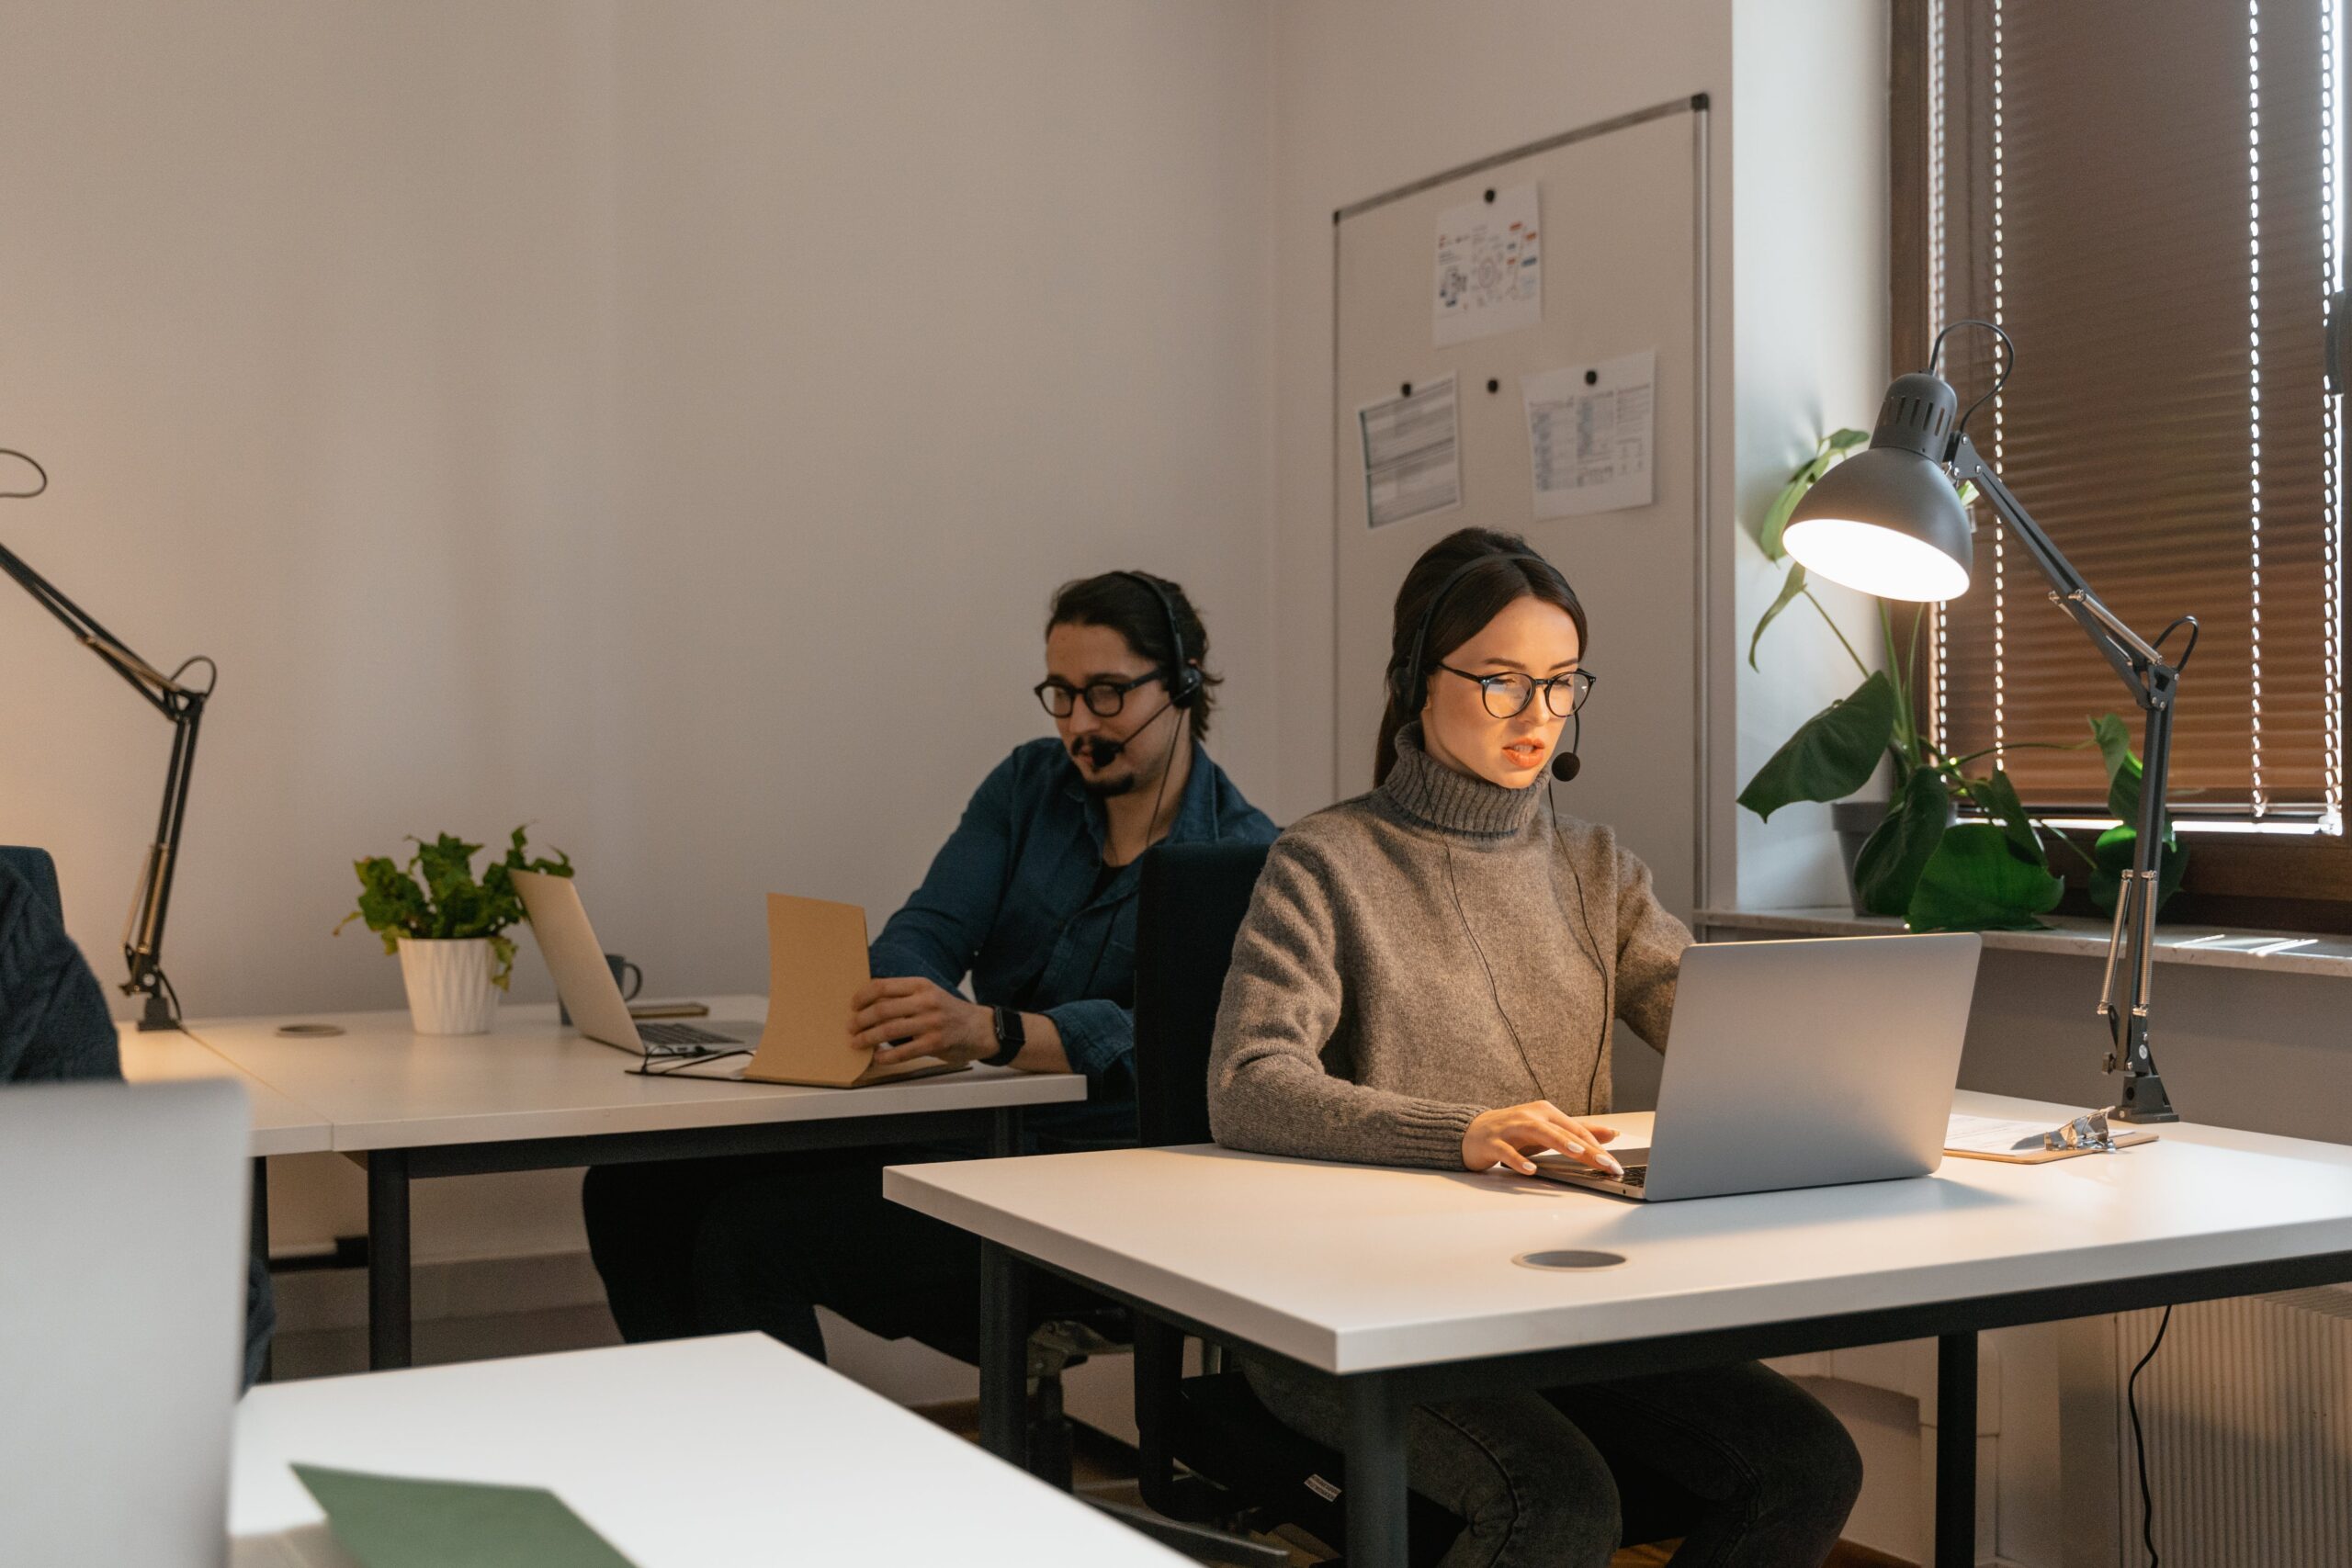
[280, 1126]
[696, 1453]
[383, 1086]
[1355, 1267]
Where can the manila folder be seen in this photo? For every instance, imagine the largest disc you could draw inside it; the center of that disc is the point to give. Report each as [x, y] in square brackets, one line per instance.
[816, 962]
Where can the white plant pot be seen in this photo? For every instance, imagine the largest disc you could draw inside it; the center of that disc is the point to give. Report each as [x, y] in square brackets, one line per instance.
[448, 984]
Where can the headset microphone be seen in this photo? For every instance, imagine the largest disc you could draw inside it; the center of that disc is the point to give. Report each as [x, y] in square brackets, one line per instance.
[1567, 765]
[1102, 751]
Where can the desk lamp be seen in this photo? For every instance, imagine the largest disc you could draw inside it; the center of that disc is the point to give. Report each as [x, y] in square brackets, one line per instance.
[142, 931]
[1888, 520]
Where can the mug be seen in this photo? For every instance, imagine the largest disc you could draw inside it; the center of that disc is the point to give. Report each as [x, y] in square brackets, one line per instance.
[626, 975]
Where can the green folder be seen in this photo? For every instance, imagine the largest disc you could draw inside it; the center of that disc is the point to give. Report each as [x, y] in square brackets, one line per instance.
[390, 1521]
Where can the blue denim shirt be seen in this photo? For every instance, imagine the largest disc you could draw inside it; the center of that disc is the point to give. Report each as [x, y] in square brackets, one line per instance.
[1012, 900]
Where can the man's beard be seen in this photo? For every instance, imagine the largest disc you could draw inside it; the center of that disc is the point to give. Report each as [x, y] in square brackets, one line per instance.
[1104, 789]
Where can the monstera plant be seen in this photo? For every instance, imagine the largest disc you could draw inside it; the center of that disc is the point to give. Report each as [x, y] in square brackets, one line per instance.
[1937, 868]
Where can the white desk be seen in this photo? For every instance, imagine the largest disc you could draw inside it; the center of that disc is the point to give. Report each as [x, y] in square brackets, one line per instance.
[1402, 1283]
[698, 1453]
[280, 1126]
[532, 1096]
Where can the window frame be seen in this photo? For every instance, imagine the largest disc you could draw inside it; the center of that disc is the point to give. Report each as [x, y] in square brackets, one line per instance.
[2233, 876]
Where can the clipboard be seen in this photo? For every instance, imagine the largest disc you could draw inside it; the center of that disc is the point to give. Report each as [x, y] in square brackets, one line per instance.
[1983, 1134]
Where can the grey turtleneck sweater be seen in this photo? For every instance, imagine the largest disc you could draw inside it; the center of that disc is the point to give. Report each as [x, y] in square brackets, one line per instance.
[1398, 942]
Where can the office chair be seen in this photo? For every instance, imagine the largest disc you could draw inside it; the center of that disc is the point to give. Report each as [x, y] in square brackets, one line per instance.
[1209, 1450]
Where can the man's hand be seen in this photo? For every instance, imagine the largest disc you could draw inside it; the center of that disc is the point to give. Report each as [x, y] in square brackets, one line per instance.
[1506, 1136]
[923, 1019]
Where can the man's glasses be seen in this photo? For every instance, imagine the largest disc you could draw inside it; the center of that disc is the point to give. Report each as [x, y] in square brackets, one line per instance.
[1104, 698]
[1507, 695]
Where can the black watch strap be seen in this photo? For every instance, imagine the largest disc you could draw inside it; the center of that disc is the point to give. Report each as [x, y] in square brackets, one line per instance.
[1010, 1036]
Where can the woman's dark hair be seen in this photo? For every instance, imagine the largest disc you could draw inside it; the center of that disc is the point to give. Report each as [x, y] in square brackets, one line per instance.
[1130, 608]
[1495, 570]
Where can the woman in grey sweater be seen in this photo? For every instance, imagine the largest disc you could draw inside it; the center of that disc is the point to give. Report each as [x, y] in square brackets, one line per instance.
[1427, 976]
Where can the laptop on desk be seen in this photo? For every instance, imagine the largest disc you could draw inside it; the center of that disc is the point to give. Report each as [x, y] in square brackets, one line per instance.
[122, 1271]
[576, 959]
[816, 962]
[1802, 1064]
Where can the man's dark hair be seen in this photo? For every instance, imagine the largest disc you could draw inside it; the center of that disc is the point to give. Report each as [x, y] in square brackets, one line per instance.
[1130, 608]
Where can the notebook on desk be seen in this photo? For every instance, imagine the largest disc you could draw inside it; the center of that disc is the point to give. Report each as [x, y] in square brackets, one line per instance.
[816, 962]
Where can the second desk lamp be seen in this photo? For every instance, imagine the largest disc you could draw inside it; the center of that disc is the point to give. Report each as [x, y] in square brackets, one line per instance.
[1888, 520]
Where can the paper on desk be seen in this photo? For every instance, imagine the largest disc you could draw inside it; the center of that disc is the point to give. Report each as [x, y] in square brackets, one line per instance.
[389, 1521]
[2000, 1137]
[1993, 1135]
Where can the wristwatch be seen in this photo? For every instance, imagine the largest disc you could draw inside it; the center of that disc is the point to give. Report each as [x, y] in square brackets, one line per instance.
[1010, 1037]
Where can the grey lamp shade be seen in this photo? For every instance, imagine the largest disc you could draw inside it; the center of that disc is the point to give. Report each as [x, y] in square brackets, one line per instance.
[1888, 521]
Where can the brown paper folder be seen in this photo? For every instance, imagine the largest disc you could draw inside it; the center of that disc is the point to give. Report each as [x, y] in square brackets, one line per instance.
[816, 962]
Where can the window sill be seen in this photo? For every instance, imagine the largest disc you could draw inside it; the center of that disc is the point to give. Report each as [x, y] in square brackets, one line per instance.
[2328, 955]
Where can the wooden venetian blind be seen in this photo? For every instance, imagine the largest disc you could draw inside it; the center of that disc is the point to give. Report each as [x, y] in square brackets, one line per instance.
[2142, 193]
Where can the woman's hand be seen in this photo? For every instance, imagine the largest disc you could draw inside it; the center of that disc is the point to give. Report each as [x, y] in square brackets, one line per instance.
[903, 1019]
[1508, 1135]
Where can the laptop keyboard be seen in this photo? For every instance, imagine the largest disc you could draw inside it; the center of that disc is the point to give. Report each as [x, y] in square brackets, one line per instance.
[677, 1038]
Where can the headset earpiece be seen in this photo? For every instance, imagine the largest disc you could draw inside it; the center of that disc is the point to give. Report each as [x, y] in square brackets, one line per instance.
[1180, 675]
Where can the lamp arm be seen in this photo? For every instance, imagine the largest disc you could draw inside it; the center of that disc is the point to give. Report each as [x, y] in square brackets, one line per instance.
[2153, 680]
[142, 935]
[2130, 654]
[152, 685]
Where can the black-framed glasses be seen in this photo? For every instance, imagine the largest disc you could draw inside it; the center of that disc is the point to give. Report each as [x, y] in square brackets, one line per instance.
[1104, 698]
[1508, 694]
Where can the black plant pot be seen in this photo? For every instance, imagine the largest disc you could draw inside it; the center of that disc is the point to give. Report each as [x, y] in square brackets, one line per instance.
[1855, 820]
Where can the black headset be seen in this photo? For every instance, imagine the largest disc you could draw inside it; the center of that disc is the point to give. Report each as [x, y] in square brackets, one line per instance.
[1182, 677]
[1409, 681]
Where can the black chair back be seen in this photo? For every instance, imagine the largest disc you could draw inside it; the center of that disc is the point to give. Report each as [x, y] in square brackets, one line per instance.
[35, 867]
[1190, 906]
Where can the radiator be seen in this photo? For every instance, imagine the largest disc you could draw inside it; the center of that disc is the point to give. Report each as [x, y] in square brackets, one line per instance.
[2247, 1410]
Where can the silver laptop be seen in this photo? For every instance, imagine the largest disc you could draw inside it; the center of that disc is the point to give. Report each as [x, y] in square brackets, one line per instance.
[122, 1313]
[576, 959]
[1802, 1064]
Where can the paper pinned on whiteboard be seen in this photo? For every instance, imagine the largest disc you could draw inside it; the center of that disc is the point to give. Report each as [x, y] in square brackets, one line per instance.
[1592, 434]
[1489, 267]
[1412, 454]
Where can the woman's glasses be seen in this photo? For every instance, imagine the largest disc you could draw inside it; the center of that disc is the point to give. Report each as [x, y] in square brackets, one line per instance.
[1507, 695]
[1104, 698]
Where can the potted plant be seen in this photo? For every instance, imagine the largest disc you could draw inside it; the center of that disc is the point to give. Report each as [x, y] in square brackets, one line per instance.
[448, 930]
[1919, 859]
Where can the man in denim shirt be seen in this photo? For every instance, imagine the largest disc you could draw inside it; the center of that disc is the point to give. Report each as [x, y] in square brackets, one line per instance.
[1034, 898]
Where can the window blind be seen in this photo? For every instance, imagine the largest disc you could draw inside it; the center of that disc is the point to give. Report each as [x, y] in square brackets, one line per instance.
[2147, 194]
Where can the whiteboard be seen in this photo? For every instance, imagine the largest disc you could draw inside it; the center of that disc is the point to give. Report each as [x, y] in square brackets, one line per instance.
[1623, 230]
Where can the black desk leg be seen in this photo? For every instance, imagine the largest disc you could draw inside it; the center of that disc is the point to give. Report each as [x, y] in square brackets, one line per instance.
[257, 1237]
[1004, 1132]
[1004, 1355]
[388, 1283]
[1375, 1488]
[1956, 1451]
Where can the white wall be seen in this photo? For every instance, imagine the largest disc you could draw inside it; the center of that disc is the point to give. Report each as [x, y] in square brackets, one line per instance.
[1809, 285]
[664, 425]
[308, 321]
